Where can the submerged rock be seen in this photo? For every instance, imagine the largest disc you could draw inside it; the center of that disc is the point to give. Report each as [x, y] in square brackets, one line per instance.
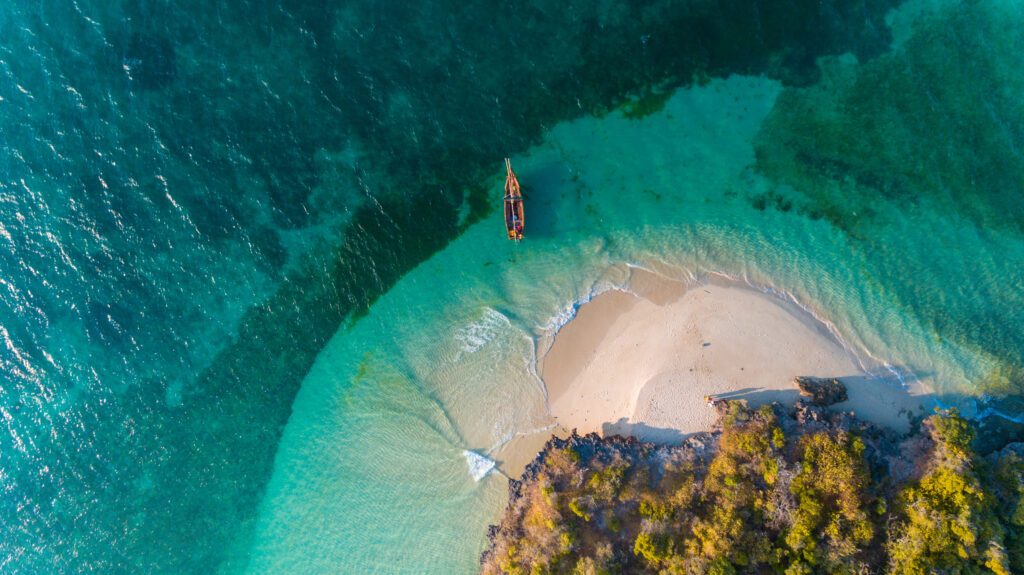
[822, 391]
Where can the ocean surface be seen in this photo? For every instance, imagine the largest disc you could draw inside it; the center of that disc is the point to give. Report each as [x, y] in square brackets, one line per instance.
[257, 310]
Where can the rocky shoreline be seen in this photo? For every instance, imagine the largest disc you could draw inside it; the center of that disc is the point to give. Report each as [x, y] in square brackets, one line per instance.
[801, 489]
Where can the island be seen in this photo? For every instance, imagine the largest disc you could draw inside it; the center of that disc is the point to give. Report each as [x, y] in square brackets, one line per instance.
[718, 428]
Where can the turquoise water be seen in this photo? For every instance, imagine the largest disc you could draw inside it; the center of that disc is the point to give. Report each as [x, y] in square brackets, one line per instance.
[256, 306]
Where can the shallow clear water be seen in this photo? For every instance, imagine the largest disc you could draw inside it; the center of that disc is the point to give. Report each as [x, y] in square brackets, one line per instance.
[198, 202]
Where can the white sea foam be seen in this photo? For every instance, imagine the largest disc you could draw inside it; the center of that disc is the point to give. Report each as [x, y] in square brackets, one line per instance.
[555, 323]
[479, 466]
[561, 318]
[481, 332]
[523, 433]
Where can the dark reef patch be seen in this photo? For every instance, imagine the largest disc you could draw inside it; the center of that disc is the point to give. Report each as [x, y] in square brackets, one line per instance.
[927, 130]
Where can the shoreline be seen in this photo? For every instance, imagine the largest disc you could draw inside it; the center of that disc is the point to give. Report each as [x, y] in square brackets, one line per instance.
[640, 362]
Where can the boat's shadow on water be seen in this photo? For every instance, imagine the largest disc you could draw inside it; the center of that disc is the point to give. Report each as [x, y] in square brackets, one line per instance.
[544, 188]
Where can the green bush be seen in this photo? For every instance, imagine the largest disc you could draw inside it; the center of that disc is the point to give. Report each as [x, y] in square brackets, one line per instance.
[1008, 486]
[579, 509]
[948, 519]
[654, 548]
[953, 433]
[605, 483]
[833, 502]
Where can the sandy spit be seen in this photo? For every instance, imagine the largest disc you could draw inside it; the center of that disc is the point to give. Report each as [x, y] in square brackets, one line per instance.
[640, 362]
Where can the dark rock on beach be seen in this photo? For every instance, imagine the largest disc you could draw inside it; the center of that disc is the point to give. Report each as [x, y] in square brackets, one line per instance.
[822, 391]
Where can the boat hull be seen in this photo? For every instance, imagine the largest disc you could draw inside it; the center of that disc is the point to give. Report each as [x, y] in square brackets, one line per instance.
[514, 214]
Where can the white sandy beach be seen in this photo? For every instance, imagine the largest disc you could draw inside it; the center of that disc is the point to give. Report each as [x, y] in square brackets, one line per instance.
[642, 364]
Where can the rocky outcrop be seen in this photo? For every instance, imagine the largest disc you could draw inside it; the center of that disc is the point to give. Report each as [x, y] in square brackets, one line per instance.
[822, 391]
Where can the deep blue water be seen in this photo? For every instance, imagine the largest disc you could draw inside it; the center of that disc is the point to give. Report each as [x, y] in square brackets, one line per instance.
[195, 196]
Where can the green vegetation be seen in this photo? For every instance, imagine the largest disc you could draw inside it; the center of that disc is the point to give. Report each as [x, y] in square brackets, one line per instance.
[771, 492]
[948, 518]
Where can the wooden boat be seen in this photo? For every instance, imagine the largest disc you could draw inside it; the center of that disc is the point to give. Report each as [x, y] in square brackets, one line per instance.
[513, 205]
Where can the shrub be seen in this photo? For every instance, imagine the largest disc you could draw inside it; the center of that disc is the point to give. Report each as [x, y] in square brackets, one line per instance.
[1008, 486]
[605, 483]
[579, 509]
[948, 519]
[953, 434]
[655, 548]
[832, 502]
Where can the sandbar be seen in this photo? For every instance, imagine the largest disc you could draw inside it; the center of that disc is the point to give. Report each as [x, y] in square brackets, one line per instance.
[640, 362]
